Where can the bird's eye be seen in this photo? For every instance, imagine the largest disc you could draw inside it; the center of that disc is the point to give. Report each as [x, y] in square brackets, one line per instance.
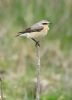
[44, 23]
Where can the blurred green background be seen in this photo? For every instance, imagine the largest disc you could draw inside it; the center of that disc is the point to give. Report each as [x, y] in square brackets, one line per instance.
[17, 55]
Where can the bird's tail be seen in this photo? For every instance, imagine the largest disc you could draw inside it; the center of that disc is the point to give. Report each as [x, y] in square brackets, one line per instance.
[18, 34]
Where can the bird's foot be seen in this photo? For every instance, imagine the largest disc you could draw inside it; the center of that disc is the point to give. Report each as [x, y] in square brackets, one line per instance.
[37, 43]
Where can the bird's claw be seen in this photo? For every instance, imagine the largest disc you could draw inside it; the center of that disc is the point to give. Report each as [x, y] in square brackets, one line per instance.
[37, 43]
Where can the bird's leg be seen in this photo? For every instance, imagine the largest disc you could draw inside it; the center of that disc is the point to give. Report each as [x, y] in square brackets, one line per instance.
[37, 42]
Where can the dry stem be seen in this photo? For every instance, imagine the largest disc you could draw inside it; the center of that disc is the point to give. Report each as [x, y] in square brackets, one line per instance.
[38, 72]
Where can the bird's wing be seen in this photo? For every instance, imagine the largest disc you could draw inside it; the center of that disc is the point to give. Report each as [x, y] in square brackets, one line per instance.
[37, 27]
[32, 29]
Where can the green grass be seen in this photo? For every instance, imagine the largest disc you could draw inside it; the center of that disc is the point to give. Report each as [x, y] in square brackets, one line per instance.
[17, 55]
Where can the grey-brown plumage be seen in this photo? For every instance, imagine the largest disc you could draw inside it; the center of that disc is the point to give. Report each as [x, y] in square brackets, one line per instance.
[30, 30]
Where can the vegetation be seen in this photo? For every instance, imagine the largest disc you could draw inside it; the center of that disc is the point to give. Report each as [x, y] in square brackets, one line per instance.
[17, 55]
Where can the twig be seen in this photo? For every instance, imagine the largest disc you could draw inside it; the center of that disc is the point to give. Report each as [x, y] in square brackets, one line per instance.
[1, 84]
[1, 89]
[38, 71]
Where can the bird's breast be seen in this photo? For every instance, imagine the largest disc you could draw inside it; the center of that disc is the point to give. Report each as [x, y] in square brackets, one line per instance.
[45, 30]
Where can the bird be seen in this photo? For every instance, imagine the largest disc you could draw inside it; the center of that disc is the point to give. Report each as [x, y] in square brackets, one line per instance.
[36, 31]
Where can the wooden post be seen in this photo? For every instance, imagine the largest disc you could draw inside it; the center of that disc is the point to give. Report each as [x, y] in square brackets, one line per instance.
[38, 72]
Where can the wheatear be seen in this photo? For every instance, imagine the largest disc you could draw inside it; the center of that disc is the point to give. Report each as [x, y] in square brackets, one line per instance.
[36, 31]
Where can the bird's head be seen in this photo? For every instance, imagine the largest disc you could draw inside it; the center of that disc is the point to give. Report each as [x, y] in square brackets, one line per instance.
[44, 22]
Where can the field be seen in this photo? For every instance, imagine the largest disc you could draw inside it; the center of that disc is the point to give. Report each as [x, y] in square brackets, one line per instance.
[17, 55]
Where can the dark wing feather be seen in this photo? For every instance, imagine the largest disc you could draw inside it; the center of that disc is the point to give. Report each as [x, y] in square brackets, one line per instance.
[31, 29]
